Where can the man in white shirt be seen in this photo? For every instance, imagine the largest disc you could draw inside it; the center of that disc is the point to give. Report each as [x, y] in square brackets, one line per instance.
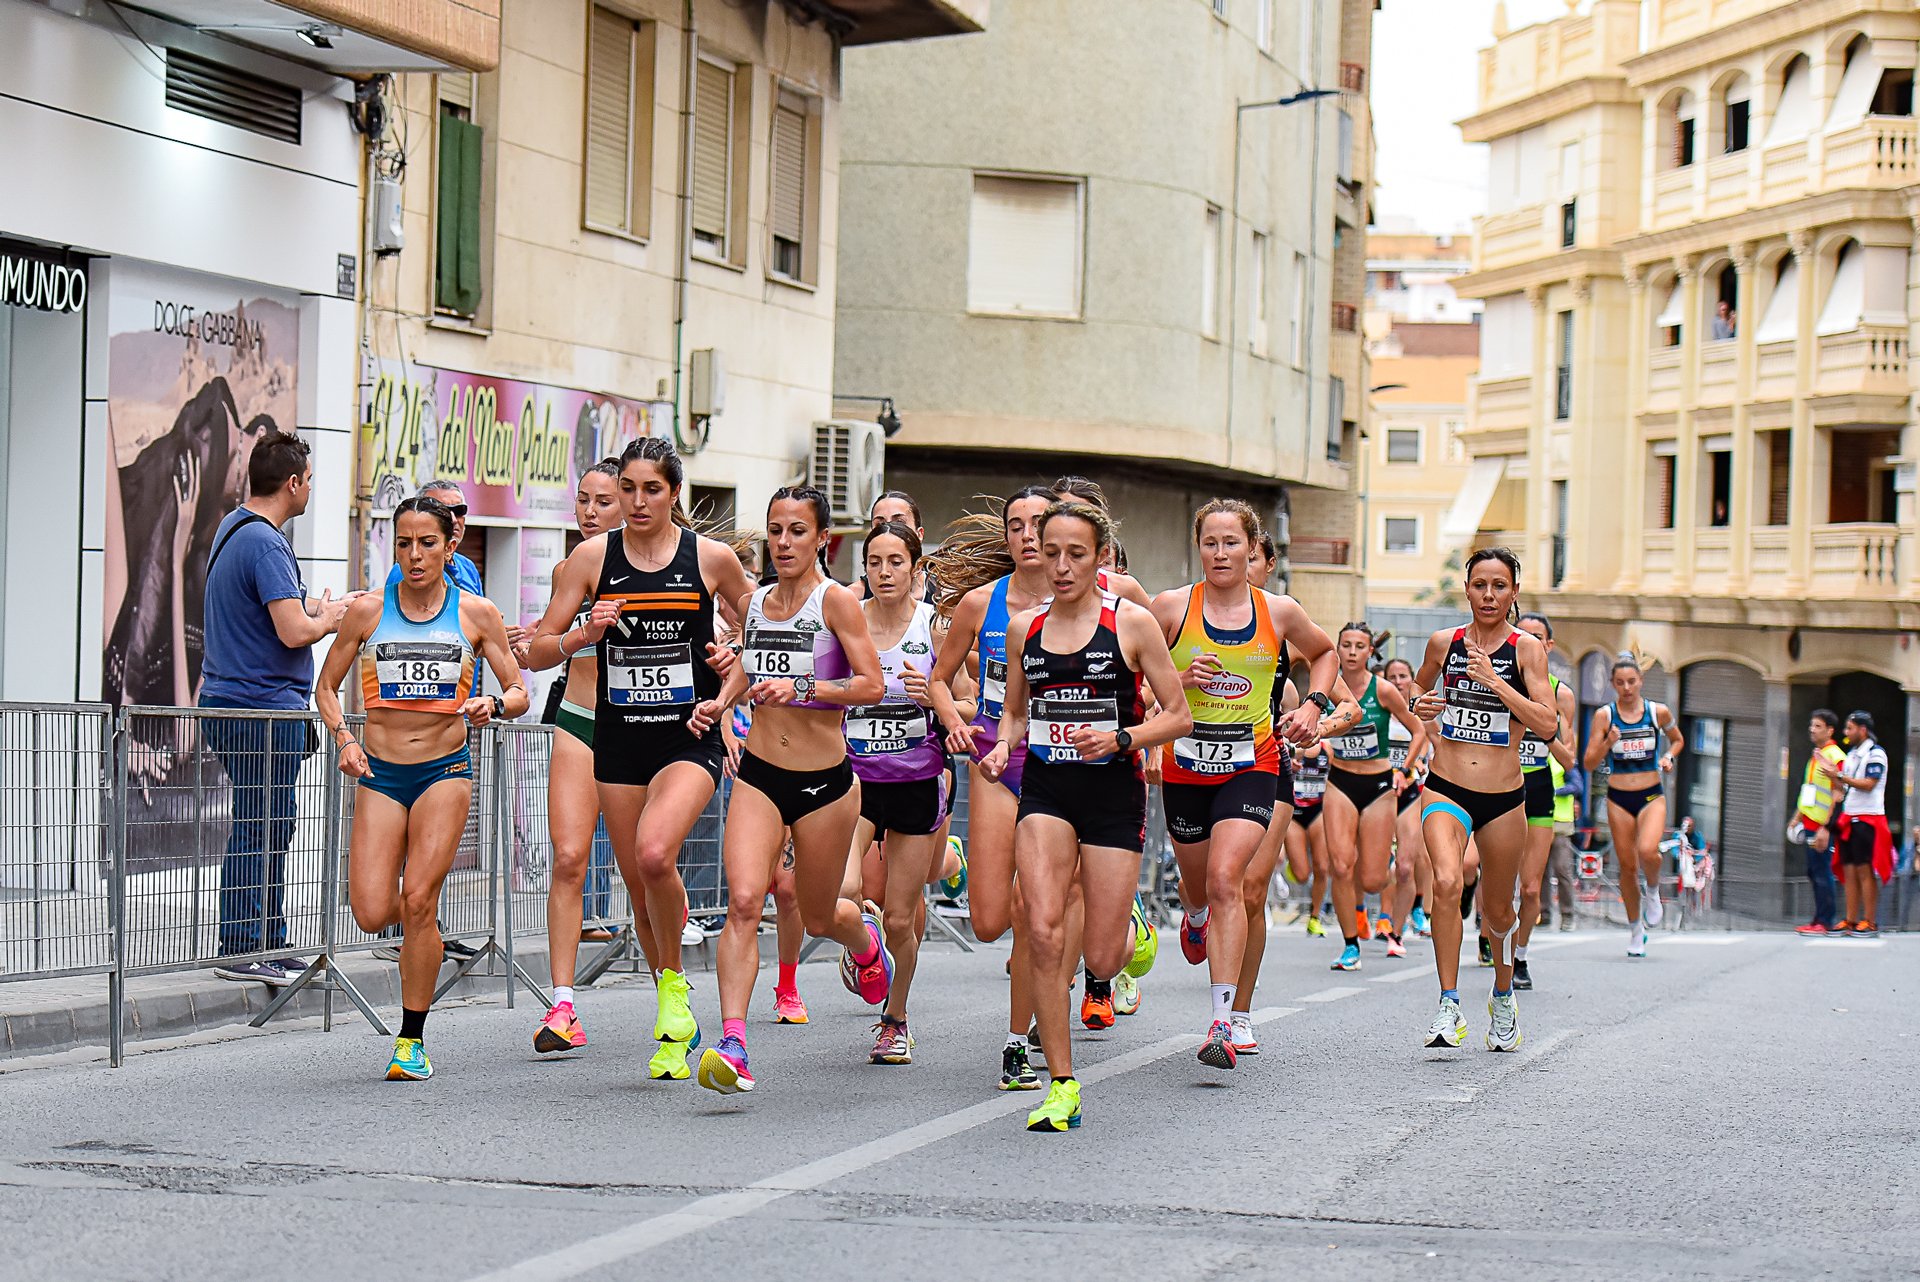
[1865, 849]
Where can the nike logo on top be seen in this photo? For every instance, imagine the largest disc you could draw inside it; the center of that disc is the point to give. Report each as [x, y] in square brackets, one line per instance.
[614, 583]
[814, 789]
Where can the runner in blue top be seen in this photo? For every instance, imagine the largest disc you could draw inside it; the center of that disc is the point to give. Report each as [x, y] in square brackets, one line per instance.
[1626, 734]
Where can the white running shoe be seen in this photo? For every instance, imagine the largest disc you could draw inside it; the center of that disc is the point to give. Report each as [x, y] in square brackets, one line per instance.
[1244, 1042]
[1449, 1027]
[1637, 941]
[1126, 994]
[1650, 906]
[1504, 1033]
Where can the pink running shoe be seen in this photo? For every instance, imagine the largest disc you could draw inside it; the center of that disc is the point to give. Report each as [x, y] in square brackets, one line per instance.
[787, 1006]
[560, 1031]
[874, 979]
[1395, 948]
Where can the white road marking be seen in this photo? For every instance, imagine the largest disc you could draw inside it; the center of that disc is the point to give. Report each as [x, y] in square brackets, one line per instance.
[1402, 976]
[1527, 1053]
[707, 1212]
[1660, 939]
[1817, 942]
[1330, 994]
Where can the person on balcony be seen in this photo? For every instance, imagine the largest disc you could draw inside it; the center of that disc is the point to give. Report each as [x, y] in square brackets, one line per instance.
[1726, 322]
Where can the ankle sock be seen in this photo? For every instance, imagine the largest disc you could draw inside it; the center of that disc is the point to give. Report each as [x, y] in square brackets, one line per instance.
[1223, 1002]
[413, 1023]
[1450, 994]
[562, 995]
[1017, 1039]
[734, 1028]
[1353, 941]
[1199, 918]
[789, 976]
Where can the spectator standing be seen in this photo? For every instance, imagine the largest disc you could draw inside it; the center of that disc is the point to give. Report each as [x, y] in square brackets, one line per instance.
[1726, 324]
[1568, 787]
[1813, 813]
[260, 629]
[461, 569]
[1866, 843]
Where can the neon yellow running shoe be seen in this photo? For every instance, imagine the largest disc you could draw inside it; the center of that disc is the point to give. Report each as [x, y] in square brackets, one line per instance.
[1314, 927]
[669, 1062]
[410, 1062]
[1061, 1111]
[674, 1022]
[951, 888]
[1146, 942]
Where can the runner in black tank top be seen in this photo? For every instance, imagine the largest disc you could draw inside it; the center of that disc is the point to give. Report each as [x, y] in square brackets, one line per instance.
[1075, 696]
[653, 667]
[1486, 685]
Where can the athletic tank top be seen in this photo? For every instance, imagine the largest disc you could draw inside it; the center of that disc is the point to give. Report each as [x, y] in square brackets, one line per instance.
[1092, 687]
[1474, 713]
[992, 652]
[653, 660]
[1533, 749]
[803, 646]
[1310, 780]
[1367, 741]
[893, 741]
[417, 667]
[1639, 748]
[1399, 743]
[1233, 713]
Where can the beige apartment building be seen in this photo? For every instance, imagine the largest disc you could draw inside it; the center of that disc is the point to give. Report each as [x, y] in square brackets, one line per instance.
[1115, 265]
[628, 228]
[1424, 342]
[1695, 375]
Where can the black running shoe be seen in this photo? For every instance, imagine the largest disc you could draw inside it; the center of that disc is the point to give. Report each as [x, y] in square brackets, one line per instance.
[1016, 1074]
[1521, 977]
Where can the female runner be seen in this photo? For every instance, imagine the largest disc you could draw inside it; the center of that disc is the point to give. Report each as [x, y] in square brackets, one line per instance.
[1087, 659]
[416, 644]
[1535, 754]
[1403, 907]
[656, 737]
[1358, 810]
[1113, 575]
[898, 505]
[573, 802]
[807, 658]
[1229, 640]
[979, 626]
[1479, 681]
[1626, 735]
[902, 765]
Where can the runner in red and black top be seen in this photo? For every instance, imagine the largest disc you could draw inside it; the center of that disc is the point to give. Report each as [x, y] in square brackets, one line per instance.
[1481, 682]
[1075, 667]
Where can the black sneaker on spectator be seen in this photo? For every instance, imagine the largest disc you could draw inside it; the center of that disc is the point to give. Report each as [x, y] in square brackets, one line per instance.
[711, 926]
[454, 951]
[293, 966]
[254, 972]
[388, 952]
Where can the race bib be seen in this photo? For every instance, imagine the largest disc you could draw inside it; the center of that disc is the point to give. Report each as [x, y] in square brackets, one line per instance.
[1362, 743]
[885, 729]
[1638, 746]
[648, 676]
[1052, 723]
[1308, 789]
[418, 671]
[1533, 753]
[772, 653]
[1475, 714]
[1215, 749]
[993, 686]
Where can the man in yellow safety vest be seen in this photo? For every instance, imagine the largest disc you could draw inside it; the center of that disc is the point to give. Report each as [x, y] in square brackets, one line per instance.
[1813, 814]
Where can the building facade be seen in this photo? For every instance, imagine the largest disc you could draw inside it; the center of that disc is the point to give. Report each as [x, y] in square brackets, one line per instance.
[1118, 270]
[180, 254]
[1424, 342]
[628, 228]
[1713, 373]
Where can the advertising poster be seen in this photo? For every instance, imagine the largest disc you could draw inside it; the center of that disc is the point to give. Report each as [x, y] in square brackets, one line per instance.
[198, 369]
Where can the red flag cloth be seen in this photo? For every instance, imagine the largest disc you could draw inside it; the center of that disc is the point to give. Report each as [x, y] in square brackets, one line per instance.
[1882, 843]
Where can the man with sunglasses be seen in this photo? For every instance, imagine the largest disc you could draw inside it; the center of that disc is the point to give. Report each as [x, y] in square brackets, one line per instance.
[464, 573]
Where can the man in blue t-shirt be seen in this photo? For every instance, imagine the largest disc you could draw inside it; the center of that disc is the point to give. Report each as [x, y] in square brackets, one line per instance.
[260, 630]
[461, 570]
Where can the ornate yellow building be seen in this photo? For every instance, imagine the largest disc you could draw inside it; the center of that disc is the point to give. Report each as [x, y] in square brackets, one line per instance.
[1694, 387]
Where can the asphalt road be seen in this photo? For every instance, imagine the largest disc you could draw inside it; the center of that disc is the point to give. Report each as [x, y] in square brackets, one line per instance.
[1735, 1106]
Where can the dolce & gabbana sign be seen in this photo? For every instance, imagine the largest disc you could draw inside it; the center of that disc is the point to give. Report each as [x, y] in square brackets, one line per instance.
[46, 280]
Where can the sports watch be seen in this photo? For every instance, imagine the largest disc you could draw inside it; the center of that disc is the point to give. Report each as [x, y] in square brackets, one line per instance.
[499, 707]
[803, 689]
[1322, 702]
[1123, 740]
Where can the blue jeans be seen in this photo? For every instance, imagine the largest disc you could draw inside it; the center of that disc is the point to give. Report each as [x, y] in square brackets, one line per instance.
[262, 758]
[1820, 873]
[596, 898]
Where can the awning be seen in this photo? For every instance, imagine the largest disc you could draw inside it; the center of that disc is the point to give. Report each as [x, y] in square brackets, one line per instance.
[1460, 521]
[1674, 312]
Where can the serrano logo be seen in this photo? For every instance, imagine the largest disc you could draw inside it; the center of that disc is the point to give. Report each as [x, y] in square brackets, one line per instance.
[1228, 685]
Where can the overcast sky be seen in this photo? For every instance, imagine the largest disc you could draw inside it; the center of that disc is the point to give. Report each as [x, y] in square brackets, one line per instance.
[1425, 67]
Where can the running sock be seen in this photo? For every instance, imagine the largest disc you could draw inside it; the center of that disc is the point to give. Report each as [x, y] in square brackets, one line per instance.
[1017, 1039]
[1466, 896]
[562, 995]
[1223, 1002]
[867, 958]
[789, 976]
[1449, 994]
[413, 1023]
[1520, 953]
[1418, 901]
[1099, 987]
[734, 1028]
[1507, 993]
[1353, 941]
[1197, 919]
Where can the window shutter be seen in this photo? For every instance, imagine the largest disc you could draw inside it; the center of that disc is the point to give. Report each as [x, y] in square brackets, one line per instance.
[1024, 246]
[456, 90]
[788, 208]
[609, 120]
[712, 149]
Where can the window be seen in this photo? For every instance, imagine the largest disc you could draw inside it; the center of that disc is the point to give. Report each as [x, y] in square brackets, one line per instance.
[1257, 270]
[1793, 110]
[1569, 224]
[1343, 156]
[1263, 25]
[1297, 339]
[1563, 382]
[1724, 323]
[618, 186]
[1670, 324]
[1210, 274]
[1775, 450]
[791, 198]
[1560, 523]
[1719, 495]
[1506, 338]
[1677, 126]
[1895, 95]
[1660, 484]
[1516, 170]
[1220, 9]
[1738, 116]
[1336, 419]
[720, 97]
[460, 200]
[1400, 534]
[1570, 169]
[1024, 246]
[1403, 445]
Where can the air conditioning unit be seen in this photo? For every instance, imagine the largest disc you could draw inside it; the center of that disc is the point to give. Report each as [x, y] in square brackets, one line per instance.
[848, 463]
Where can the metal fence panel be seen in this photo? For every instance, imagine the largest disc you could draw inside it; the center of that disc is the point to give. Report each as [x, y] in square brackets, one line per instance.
[55, 769]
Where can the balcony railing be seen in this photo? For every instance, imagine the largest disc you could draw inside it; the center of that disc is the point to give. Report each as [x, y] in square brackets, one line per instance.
[1871, 359]
[1877, 152]
[1718, 362]
[1880, 153]
[1656, 561]
[1663, 379]
[1511, 237]
[1770, 554]
[1319, 551]
[1851, 562]
[1773, 370]
[1712, 559]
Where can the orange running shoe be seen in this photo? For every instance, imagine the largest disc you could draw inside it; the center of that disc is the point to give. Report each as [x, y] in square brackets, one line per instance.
[1096, 1009]
[1364, 926]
